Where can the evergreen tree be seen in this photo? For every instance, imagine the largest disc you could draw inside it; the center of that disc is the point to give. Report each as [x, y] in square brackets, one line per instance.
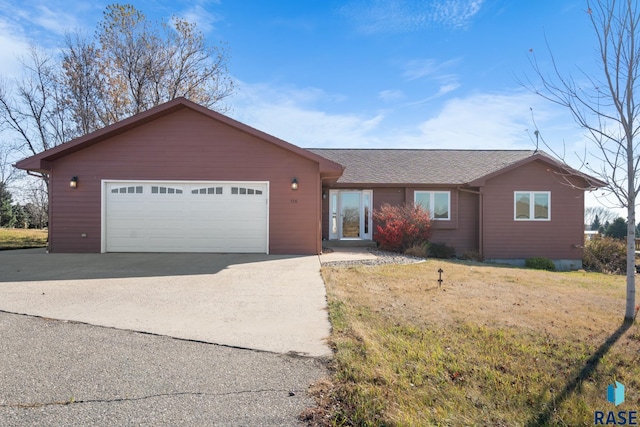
[7, 217]
[595, 225]
[20, 216]
[617, 229]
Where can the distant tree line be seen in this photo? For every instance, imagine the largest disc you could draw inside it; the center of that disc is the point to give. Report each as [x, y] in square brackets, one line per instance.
[616, 229]
[32, 214]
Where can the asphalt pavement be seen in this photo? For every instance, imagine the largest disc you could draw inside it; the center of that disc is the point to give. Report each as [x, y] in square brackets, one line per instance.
[62, 373]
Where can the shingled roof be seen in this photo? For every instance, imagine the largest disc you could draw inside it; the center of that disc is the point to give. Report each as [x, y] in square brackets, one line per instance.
[400, 166]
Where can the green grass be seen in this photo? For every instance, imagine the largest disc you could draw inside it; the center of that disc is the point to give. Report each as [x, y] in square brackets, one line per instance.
[400, 361]
[19, 238]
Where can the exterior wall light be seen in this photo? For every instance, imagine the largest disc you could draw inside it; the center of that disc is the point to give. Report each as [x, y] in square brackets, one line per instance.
[294, 184]
[74, 182]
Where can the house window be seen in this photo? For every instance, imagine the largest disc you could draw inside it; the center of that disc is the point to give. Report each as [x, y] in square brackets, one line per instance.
[438, 203]
[532, 206]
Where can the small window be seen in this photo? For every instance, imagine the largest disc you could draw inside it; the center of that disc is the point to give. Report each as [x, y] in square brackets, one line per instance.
[207, 190]
[127, 190]
[438, 203]
[245, 191]
[165, 190]
[532, 206]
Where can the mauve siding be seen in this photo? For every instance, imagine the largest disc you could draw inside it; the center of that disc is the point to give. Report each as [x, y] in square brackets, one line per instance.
[505, 238]
[392, 195]
[186, 145]
[461, 232]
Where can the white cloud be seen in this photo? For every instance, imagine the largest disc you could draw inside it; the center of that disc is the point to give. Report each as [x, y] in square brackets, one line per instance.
[433, 70]
[57, 21]
[410, 15]
[456, 13]
[200, 15]
[12, 45]
[391, 95]
[38, 22]
[479, 121]
[499, 121]
[429, 67]
[292, 114]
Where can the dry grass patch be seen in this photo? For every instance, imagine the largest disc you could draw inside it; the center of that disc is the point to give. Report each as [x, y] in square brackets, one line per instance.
[492, 346]
[20, 238]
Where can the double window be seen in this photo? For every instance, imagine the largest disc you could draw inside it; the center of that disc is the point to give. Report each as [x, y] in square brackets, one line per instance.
[532, 206]
[438, 203]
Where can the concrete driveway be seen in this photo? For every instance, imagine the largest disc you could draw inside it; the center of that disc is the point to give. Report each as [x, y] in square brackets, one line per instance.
[263, 302]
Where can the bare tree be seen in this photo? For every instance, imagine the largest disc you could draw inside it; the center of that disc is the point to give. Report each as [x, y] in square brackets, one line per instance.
[37, 204]
[601, 212]
[81, 79]
[605, 106]
[33, 115]
[133, 65]
[8, 174]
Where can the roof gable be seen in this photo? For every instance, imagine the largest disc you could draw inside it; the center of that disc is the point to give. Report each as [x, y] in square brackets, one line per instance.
[42, 160]
[564, 171]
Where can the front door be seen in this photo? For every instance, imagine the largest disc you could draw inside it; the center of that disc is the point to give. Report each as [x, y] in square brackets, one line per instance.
[350, 214]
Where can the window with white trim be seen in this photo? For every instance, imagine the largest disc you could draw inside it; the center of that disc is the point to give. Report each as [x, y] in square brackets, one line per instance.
[532, 205]
[438, 203]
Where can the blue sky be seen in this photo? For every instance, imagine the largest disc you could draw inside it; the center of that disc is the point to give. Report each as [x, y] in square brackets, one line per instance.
[356, 73]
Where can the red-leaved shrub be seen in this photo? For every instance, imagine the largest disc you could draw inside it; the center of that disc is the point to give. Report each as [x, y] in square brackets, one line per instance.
[400, 227]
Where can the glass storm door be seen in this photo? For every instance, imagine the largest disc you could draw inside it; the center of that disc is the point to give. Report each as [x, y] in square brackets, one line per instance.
[350, 214]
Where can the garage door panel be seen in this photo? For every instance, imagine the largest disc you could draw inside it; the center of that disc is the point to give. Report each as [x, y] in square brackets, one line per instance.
[186, 217]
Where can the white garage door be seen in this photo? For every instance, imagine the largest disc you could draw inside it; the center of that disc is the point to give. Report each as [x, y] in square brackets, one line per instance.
[185, 217]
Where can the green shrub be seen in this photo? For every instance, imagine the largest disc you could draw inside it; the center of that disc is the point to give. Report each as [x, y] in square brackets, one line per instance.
[606, 255]
[540, 264]
[441, 250]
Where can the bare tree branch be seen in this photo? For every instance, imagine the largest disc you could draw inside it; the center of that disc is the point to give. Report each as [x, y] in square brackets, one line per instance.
[605, 106]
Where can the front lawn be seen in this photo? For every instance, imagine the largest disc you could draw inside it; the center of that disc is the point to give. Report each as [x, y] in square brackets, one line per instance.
[21, 238]
[493, 346]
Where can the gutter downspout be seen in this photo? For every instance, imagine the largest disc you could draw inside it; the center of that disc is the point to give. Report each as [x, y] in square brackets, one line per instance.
[480, 218]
